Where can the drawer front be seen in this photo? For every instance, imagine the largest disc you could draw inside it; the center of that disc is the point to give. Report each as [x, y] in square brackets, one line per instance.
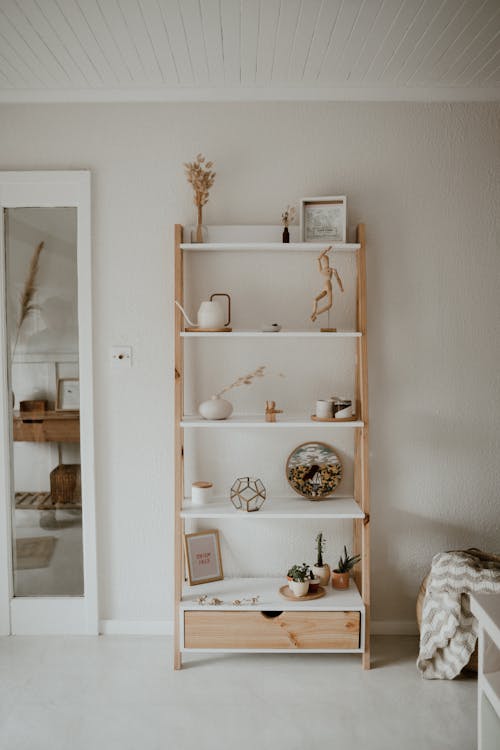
[50, 430]
[261, 630]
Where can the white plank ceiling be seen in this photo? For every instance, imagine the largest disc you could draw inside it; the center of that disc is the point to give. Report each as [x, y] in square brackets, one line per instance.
[125, 50]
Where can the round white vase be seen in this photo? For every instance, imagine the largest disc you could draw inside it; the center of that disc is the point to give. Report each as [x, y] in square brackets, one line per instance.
[216, 408]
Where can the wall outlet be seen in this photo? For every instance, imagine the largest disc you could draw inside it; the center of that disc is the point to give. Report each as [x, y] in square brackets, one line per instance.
[121, 356]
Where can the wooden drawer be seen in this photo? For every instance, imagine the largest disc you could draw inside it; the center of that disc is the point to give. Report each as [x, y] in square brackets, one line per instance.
[261, 630]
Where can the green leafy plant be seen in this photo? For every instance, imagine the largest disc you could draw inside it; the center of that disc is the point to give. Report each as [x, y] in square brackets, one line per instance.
[346, 563]
[298, 573]
[320, 548]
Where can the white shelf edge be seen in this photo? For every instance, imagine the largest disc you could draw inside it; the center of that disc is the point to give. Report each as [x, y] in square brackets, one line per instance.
[342, 247]
[270, 599]
[268, 334]
[292, 508]
[190, 422]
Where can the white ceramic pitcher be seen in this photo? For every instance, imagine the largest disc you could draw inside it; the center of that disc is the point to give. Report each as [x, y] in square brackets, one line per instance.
[210, 313]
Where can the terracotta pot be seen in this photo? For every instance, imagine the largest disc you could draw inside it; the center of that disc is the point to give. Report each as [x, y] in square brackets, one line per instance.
[340, 580]
[314, 584]
[323, 573]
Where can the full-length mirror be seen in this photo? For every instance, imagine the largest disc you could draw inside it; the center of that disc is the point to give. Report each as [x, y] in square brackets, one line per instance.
[42, 333]
[48, 563]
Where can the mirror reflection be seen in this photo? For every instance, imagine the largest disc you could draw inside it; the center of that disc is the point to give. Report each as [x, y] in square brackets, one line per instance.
[42, 323]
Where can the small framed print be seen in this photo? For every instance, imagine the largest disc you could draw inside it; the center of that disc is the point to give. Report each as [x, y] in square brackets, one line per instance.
[68, 394]
[203, 558]
[323, 219]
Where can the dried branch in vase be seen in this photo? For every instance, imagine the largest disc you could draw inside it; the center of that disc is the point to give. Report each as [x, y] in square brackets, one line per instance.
[26, 305]
[288, 216]
[247, 379]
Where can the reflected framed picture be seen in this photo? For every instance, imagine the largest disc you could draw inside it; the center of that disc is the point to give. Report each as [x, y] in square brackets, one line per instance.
[68, 394]
[323, 219]
[203, 558]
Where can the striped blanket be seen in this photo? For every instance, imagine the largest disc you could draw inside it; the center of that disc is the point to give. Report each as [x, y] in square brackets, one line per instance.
[448, 630]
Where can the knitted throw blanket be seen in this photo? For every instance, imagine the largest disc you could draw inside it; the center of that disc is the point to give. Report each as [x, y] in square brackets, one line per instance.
[448, 631]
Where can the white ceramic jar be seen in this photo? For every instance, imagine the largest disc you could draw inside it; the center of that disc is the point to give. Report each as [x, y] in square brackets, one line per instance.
[201, 493]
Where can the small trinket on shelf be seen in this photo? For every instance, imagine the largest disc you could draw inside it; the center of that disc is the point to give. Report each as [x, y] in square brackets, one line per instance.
[215, 601]
[271, 411]
[202, 599]
[236, 602]
[287, 217]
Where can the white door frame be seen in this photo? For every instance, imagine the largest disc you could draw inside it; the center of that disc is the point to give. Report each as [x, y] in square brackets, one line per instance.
[50, 615]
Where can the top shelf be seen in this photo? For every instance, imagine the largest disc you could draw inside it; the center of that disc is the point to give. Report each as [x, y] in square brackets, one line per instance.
[270, 247]
[264, 239]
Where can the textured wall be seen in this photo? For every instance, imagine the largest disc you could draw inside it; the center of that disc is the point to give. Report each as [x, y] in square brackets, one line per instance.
[424, 178]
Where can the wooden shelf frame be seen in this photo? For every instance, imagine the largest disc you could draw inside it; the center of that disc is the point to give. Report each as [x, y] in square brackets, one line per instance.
[357, 508]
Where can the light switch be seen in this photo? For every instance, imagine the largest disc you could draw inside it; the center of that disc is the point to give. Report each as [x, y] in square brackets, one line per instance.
[121, 356]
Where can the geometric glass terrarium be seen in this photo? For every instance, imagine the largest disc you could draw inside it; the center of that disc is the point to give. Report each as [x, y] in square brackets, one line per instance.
[248, 494]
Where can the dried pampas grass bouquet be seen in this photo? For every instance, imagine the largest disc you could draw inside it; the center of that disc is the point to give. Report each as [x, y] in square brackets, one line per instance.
[200, 175]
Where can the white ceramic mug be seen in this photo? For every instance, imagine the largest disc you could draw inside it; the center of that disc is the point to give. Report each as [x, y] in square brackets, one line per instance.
[323, 409]
[201, 492]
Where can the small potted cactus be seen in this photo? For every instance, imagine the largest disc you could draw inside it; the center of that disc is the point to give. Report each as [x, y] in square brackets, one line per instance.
[298, 579]
[340, 577]
[321, 569]
[314, 582]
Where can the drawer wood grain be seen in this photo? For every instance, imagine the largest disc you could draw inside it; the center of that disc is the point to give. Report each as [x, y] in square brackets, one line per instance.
[286, 630]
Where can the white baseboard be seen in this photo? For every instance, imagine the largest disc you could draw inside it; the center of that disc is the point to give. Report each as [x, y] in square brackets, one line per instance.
[136, 627]
[394, 627]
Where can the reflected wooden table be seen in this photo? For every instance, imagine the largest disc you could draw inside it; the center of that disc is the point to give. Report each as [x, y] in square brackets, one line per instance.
[47, 427]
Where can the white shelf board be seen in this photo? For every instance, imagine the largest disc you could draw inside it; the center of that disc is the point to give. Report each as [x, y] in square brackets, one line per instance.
[267, 589]
[268, 334]
[490, 682]
[258, 421]
[277, 507]
[266, 247]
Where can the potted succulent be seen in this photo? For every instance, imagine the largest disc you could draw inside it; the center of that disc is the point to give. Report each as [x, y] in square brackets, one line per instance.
[321, 569]
[298, 579]
[340, 577]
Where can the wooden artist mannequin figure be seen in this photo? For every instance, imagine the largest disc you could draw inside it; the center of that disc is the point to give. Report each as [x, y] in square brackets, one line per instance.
[327, 271]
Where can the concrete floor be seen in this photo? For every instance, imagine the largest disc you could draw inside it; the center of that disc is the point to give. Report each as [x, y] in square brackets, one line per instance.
[120, 693]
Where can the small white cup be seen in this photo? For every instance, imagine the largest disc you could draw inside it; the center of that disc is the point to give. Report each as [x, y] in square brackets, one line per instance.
[324, 409]
[201, 492]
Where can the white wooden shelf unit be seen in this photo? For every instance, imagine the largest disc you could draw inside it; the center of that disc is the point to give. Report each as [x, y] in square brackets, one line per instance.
[337, 623]
[486, 608]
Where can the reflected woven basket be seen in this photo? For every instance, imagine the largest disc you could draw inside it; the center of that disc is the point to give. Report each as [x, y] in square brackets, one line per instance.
[472, 666]
[66, 483]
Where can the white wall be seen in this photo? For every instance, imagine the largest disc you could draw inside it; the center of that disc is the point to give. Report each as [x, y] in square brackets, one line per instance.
[424, 178]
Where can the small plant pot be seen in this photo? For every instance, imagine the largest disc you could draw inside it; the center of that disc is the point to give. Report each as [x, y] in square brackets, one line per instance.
[314, 584]
[298, 588]
[322, 572]
[340, 580]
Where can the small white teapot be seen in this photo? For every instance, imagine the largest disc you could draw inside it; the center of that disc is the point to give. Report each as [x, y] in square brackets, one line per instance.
[210, 314]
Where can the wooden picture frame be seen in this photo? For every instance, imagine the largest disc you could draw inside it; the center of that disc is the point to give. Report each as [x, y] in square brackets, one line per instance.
[68, 394]
[203, 557]
[323, 219]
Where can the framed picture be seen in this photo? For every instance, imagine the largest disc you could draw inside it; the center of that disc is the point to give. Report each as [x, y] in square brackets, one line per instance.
[68, 394]
[323, 219]
[203, 558]
[314, 470]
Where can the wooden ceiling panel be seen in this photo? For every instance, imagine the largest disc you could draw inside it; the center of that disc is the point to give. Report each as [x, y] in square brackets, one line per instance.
[64, 50]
